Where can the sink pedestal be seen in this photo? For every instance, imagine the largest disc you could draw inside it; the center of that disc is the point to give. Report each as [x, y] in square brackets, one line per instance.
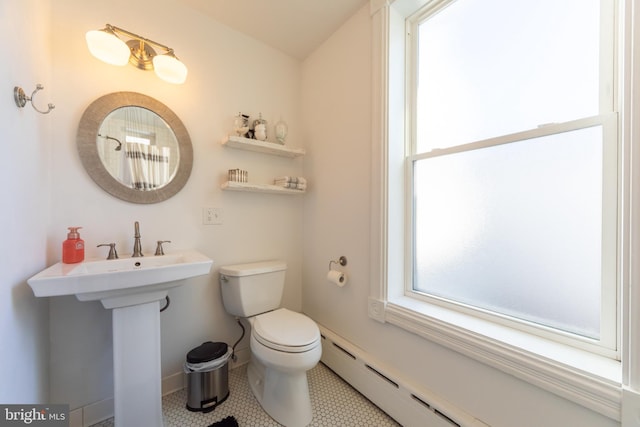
[132, 288]
[136, 365]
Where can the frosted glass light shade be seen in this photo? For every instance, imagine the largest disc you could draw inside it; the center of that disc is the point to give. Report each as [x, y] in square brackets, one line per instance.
[169, 68]
[107, 47]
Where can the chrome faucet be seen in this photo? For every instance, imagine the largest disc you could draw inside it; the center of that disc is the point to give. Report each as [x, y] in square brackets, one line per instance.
[137, 247]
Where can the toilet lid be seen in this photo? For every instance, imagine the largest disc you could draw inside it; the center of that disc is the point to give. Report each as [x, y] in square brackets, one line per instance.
[286, 330]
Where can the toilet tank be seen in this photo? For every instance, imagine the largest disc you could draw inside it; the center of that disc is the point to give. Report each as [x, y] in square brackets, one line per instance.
[253, 288]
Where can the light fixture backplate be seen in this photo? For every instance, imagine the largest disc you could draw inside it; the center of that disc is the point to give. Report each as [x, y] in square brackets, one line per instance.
[141, 54]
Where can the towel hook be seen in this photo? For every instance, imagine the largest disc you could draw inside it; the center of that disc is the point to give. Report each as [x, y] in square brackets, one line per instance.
[342, 261]
[21, 98]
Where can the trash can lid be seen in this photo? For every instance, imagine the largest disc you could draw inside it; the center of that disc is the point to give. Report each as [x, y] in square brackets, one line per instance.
[206, 352]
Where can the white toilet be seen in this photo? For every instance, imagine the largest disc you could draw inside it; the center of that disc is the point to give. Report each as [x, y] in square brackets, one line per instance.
[284, 344]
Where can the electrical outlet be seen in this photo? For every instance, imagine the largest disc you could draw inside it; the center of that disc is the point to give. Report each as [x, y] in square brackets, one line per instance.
[212, 216]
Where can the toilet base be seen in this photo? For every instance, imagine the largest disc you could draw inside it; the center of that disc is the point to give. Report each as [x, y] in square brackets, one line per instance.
[284, 396]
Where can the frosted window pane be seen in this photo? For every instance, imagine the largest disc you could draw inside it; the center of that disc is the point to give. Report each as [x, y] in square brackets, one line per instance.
[515, 229]
[495, 67]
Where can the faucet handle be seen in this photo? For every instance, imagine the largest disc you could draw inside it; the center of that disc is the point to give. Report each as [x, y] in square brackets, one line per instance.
[159, 249]
[112, 250]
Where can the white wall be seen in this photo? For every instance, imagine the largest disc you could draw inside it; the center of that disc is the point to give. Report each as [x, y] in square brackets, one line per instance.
[336, 92]
[24, 174]
[228, 72]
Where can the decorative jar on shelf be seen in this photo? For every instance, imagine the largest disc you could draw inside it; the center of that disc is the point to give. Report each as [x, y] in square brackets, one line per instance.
[260, 128]
[241, 124]
[281, 130]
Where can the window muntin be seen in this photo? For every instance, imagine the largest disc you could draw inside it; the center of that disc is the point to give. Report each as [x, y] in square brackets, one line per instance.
[440, 212]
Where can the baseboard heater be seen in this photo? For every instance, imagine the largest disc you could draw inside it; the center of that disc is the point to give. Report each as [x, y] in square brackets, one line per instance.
[408, 404]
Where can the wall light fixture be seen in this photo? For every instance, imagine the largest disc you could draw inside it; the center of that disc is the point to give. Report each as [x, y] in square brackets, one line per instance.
[107, 46]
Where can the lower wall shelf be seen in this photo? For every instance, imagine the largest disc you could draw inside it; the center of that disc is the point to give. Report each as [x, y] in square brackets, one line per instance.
[258, 188]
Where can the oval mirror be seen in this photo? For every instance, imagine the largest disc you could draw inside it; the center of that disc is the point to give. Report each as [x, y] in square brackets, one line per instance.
[134, 147]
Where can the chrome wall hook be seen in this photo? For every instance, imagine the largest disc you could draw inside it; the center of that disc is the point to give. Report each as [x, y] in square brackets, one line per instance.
[21, 99]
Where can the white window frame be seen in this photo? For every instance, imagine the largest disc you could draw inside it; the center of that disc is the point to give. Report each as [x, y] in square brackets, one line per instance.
[598, 382]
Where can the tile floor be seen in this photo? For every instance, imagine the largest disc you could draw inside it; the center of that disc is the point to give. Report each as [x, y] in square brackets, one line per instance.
[335, 403]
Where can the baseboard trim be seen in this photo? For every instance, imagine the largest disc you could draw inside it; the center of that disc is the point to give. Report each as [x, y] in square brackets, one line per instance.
[173, 383]
[242, 357]
[95, 412]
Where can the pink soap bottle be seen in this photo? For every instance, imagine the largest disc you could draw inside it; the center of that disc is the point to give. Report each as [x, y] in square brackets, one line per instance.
[73, 247]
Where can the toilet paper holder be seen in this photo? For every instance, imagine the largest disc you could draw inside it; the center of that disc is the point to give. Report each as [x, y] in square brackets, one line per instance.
[342, 261]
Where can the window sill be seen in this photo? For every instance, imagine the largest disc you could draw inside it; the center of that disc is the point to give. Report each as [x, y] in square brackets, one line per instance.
[585, 378]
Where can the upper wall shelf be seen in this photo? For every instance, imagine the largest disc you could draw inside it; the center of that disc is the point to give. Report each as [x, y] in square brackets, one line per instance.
[262, 147]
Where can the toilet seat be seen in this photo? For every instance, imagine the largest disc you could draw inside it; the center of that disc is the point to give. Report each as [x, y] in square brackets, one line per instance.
[286, 331]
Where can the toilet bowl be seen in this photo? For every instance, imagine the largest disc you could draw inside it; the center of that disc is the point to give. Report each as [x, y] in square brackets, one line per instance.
[284, 344]
[280, 359]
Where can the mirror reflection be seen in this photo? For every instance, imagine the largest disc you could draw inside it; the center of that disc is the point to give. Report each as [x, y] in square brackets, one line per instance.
[138, 148]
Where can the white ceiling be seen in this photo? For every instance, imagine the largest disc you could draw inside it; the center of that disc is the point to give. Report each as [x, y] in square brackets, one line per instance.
[296, 27]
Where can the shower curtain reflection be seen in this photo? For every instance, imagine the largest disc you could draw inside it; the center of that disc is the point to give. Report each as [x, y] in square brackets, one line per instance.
[148, 165]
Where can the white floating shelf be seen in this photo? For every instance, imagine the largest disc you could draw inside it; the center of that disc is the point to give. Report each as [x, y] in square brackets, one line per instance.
[258, 188]
[262, 146]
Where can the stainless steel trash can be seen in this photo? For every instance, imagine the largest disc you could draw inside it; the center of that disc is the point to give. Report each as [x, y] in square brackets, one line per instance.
[207, 376]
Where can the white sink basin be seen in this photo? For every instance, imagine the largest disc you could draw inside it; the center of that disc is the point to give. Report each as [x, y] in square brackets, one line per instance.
[132, 288]
[120, 282]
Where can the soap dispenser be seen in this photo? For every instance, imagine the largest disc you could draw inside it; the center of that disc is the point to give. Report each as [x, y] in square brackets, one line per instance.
[73, 247]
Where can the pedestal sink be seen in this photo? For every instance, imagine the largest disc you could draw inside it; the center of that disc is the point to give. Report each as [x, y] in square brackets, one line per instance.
[133, 289]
